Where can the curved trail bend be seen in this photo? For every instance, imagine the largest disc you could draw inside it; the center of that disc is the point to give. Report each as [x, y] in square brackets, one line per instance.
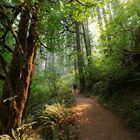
[94, 122]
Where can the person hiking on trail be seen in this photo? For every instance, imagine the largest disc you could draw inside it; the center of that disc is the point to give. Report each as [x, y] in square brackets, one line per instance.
[74, 88]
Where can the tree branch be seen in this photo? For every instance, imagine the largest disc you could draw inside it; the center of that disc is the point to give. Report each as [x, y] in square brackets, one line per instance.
[67, 27]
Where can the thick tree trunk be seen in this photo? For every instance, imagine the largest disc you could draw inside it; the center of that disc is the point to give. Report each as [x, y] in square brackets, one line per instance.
[21, 67]
[80, 59]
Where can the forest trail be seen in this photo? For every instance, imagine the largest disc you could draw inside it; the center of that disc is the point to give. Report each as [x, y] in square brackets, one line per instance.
[94, 122]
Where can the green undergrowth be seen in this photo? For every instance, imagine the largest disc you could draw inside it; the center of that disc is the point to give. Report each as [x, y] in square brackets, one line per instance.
[48, 114]
[48, 89]
[125, 105]
[56, 122]
[118, 89]
[49, 106]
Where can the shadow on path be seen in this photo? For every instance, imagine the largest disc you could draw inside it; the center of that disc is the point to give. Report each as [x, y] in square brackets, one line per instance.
[94, 122]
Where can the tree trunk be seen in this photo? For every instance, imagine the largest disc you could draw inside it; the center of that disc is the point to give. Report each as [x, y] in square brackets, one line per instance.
[80, 59]
[100, 21]
[87, 44]
[88, 54]
[20, 72]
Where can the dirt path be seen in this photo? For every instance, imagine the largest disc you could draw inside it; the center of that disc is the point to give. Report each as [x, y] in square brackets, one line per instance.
[94, 122]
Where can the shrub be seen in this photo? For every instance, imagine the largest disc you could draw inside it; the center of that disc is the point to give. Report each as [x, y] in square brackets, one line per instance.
[56, 121]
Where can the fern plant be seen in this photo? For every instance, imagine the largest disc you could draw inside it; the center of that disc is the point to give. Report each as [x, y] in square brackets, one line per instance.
[57, 122]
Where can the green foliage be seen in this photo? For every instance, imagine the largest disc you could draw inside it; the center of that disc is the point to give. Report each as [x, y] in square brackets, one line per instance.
[44, 82]
[44, 90]
[79, 10]
[56, 121]
[127, 107]
[49, 107]
[117, 47]
[117, 60]
[65, 82]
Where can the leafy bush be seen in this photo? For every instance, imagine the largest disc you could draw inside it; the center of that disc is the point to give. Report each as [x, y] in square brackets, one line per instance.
[56, 122]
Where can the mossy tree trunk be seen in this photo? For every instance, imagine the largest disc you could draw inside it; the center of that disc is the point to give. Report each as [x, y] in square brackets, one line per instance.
[20, 71]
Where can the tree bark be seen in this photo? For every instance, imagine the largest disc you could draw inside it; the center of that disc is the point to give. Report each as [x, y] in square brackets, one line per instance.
[88, 55]
[87, 43]
[20, 72]
[80, 59]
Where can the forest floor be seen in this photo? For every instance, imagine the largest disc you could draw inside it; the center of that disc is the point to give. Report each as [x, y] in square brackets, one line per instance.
[95, 122]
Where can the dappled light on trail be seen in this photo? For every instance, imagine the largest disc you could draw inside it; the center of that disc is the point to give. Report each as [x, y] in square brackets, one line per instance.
[80, 108]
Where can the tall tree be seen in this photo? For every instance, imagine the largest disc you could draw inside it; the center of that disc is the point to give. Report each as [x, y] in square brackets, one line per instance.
[19, 75]
[88, 48]
[80, 58]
